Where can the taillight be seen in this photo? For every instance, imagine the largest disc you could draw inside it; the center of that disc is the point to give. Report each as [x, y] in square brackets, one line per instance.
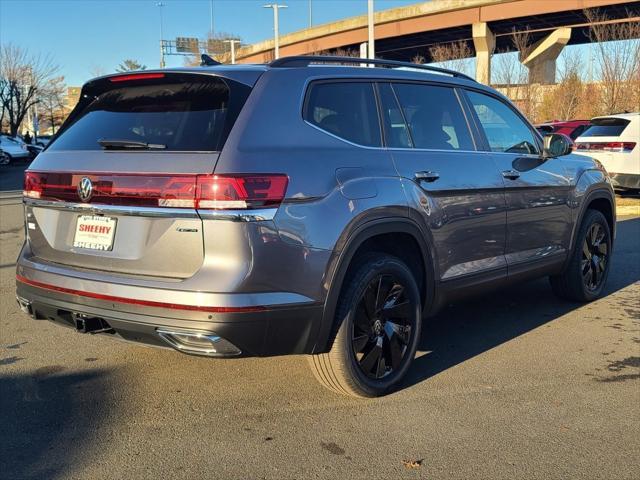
[148, 190]
[241, 191]
[625, 147]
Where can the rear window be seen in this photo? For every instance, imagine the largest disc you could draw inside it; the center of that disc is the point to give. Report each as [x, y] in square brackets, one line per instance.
[606, 127]
[181, 113]
[345, 109]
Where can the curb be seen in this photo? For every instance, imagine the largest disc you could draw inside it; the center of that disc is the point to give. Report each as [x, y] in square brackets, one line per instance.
[628, 210]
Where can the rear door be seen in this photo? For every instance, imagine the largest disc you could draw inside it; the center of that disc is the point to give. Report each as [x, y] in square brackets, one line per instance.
[456, 189]
[115, 191]
[537, 190]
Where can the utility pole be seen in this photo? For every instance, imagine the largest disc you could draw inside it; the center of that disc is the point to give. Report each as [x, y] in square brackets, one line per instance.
[233, 49]
[276, 31]
[371, 47]
[211, 17]
[160, 5]
[310, 14]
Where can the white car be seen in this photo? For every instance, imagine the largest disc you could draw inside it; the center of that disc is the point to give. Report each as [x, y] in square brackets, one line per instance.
[14, 148]
[614, 140]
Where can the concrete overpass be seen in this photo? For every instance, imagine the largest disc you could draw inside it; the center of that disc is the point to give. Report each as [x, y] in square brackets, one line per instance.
[484, 25]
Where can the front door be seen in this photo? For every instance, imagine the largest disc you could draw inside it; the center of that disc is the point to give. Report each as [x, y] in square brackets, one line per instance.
[537, 190]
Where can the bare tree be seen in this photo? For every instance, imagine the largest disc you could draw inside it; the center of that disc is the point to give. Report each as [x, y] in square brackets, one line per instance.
[565, 101]
[51, 106]
[512, 77]
[23, 77]
[454, 56]
[340, 52]
[97, 71]
[617, 59]
[129, 65]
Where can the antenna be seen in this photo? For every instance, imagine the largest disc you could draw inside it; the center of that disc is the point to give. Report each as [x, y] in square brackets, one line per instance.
[207, 61]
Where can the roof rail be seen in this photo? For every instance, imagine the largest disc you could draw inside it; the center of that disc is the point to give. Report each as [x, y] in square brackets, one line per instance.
[306, 60]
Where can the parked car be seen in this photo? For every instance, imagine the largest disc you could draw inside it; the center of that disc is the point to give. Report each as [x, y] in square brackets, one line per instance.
[32, 148]
[4, 158]
[14, 148]
[571, 128]
[43, 140]
[297, 208]
[614, 141]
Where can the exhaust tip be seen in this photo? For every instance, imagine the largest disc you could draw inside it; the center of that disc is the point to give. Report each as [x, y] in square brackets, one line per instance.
[198, 343]
[25, 306]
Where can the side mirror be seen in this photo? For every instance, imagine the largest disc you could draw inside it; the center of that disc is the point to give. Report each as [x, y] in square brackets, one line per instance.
[557, 145]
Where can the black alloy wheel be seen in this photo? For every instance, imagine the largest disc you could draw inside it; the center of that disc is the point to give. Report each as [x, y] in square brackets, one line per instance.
[382, 326]
[595, 256]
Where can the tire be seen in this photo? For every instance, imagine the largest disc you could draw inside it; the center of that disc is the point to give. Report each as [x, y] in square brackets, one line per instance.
[577, 283]
[368, 338]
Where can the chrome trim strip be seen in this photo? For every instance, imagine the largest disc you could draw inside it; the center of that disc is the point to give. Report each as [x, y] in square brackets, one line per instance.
[168, 335]
[189, 293]
[257, 215]
[475, 266]
[113, 209]
[230, 215]
[391, 149]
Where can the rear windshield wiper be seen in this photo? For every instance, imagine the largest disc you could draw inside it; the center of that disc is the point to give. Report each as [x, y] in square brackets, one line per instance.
[113, 144]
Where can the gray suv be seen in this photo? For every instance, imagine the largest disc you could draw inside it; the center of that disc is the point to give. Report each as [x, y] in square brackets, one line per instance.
[314, 205]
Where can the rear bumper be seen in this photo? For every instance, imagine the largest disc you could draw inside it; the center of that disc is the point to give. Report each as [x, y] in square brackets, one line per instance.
[265, 330]
[625, 180]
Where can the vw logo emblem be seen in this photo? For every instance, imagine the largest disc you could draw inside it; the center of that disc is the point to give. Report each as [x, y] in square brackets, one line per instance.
[85, 189]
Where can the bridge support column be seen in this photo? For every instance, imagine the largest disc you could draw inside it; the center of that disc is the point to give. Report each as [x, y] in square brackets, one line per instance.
[541, 58]
[485, 42]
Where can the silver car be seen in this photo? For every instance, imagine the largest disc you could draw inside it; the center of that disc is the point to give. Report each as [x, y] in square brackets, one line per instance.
[308, 206]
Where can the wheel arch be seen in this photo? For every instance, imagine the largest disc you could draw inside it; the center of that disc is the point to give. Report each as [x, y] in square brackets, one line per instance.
[602, 200]
[357, 242]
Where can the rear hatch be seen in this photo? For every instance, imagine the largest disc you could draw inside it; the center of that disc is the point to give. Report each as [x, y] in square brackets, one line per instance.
[604, 139]
[117, 189]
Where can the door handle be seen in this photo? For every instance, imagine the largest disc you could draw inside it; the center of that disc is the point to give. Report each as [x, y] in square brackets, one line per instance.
[427, 176]
[511, 174]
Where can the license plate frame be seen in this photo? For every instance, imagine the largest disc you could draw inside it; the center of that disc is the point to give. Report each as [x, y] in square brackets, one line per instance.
[95, 232]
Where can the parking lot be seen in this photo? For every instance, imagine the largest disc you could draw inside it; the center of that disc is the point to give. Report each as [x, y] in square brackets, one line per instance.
[517, 384]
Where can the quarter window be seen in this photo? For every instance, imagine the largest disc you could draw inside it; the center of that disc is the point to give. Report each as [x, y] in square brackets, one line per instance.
[505, 131]
[345, 109]
[434, 116]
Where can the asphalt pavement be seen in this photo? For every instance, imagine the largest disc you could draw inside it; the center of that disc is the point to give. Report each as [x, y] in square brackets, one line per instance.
[516, 384]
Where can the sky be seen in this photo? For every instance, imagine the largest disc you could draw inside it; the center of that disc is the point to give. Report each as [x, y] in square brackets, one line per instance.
[90, 37]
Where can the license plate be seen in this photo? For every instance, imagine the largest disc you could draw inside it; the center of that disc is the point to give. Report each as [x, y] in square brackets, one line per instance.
[94, 232]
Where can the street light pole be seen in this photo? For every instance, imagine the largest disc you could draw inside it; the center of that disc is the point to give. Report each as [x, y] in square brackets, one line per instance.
[371, 47]
[233, 49]
[211, 16]
[276, 32]
[310, 14]
[162, 64]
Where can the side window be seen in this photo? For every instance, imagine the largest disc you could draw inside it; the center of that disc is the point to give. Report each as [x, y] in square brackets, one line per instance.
[505, 130]
[395, 129]
[435, 117]
[345, 109]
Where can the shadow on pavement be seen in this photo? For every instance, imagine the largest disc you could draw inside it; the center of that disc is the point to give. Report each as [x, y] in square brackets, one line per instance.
[11, 176]
[49, 418]
[464, 330]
